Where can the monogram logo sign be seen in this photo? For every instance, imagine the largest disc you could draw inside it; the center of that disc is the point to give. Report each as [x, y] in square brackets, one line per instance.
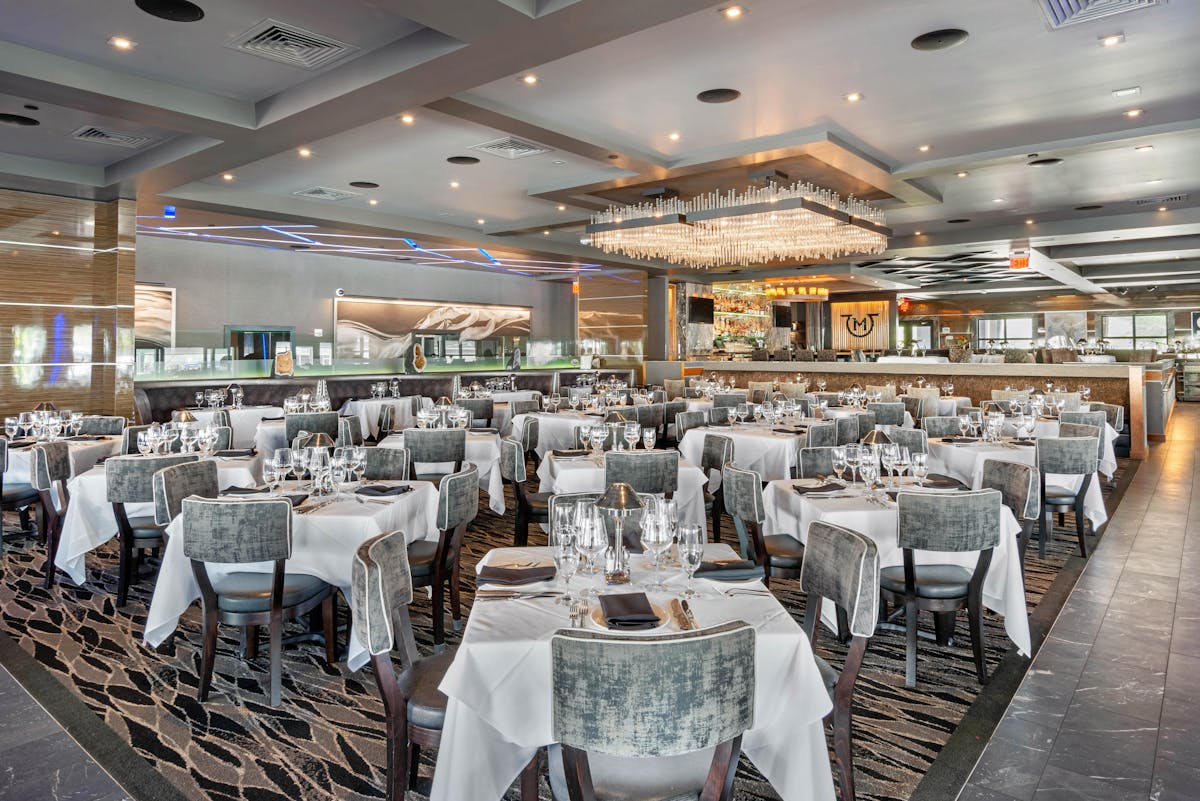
[862, 325]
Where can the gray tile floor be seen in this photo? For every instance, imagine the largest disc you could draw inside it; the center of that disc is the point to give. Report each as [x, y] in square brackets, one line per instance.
[39, 760]
[1110, 707]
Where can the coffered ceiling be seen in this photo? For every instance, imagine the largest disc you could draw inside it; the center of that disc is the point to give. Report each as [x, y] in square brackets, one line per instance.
[606, 92]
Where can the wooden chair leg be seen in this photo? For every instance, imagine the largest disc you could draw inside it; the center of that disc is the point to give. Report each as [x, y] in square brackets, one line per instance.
[439, 615]
[455, 599]
[521, 528]
[943, 627]
[276, 657]
[1081, 526]
[250, 642]
[414, 762]
[975, 619]
[124, 570]
[329, 626]
[1045, 531]
[397, 775]
[529, 779]
[718, 509]
[208, 654]
[843, 750]
[910, 647]
[53, 528]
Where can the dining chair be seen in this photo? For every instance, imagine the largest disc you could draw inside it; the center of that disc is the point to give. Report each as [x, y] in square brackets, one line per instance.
[224, 439]
[312, 422]
[350, 432]
[172, 484]
[220, 417]
[696, 692]
[674, 388]
[1068, 430]
[830, 399]
[129, 437]
[387, 420]
[888, 414]
[724, 400]
[916, 440]
[386, 464]
[822, 435]
[912, 405]
[937, 427]
[530, 435]
[1096, 417]
[1002, 406]
[102, 425]
[1062, 457]
[720, 414]
[686, 421]
[436, 563]
[141, 407]
[1017, 484]
[615, 416]
[50, 472]
[480, 408]
[843, 566]
[654, 472]
[887, 393]
[1114, 415]
[671, 411]
[237, 532]
[779, 555]
[531, 506]
[1010, 395]
[413, 706]
[846, 430]
[866, 423]
[18, 496]
[129, 480]
[815, 462]
[718, 452]
[519, 407]
[943, 523]
[435, 446]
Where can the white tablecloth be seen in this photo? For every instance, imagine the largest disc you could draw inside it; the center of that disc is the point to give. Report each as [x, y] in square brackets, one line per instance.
[499, 686]
[367, 411]
[1098, 358]
[1049, 428]
[84, 456]
[515, 395]
[965, 463]
[243, 420]
[483, 451]
[89, 522]
[555, 431]
[845, 411]
[987, 358]
[912, 360]
[947, 405]
[772, 455]
[585, 474]
[1003, 589]
[323, 545]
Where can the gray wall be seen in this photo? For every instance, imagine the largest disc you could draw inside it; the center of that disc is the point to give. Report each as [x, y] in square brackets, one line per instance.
[223, 284]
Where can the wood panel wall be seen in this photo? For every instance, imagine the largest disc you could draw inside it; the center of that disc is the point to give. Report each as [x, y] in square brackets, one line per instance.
[612, 313]
[864, 325]
[66, 308]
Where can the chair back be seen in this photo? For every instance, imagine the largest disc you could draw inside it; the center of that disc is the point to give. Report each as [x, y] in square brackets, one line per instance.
[1002, 406]
[381, 582]
[694, 690]
[237, 531]
[726, 400]
[1017, 484]
[684, 421]
[311, 422]
[887, 392]
[718, 452]
[830, 399]
[846, 430]
[674, 388]
[793, 390]
[658, 396]
[843, 566]
[530, 434]
[512, 461]
[458, 498]
[1071, 400]
[220, 417]
[816, 461]
[1069, 430]
[350, 432]
[1114, 415]
[743, 494]
[130, 478]
[912, 405]
[387, 420]
[433, 445]
[916, 440]
[129, 438]
[481, 409]
[866, 423]
[888, 414]
[107, 425]
[51, 463]
[653, 472]
[224, 439]
[949, 522]
[720, 414]
[1098, 418]
[940, 426]
[1010, 395]
[524, 407]
[386, 464]
[615, 416]
[672, 409]
[1071, 456]
[822, 435]
[172, 484]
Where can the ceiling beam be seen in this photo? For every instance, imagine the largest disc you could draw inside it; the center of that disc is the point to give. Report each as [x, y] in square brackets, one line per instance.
[1067, 276]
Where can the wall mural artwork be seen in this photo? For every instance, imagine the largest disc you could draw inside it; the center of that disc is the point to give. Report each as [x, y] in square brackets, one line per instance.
[154, 316]
[1064, 329]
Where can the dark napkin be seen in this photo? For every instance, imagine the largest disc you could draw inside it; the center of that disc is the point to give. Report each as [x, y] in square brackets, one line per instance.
[514, 576]
[566, 454]
[739, 570]
[1028, 443]
[829, 486]
[792, 431]
[244, 490]
[272, 419]
[959, 440]
[483, 431]
[628, 611]
[721, 424]
[16, 446]
[381, 490]
[86, 438]
[938, 481]
[231, 453]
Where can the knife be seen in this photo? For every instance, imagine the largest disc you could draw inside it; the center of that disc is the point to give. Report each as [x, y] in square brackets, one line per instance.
[677, 613]
[687, 610]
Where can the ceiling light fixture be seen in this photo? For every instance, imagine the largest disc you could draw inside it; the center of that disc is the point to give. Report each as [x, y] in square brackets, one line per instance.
[407, 119]
[122, 42]
[923, 148]
[942, 39]
[1134, 113]
[1127, 91]
[760, 224]
[227, 176]
[454, 184]
[172, 10]
[962, 173]
[1155, 181]
[529, 80]
[1029, 222]
[796, 292]
[373, 202]
[1162, 208]
[997, 200]
[718, 95]
[480, 221]
[1144, 148]
[854, 97]
[558, 162]
[673, 136]
[304, 152]
[1112, 40]
[916, 233]
[364, 184]
[545, 233]
[732, 12]
[561, 207]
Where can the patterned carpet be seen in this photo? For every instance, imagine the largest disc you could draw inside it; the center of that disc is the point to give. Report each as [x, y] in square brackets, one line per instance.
[326, 741]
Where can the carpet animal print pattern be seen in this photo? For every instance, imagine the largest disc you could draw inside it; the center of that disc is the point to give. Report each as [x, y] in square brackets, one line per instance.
[326, 741]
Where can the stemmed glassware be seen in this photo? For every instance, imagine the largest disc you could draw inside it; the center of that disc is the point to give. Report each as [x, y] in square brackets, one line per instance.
[649, 435]
[283, 459]
[920, 467]
[300, 462]
[887, 458]
[144, 445]
[599, 435]
[821, 384]
[741, 412]
[691, 554]
[563, 550]
[868, 470]
[357, 461]
[657, 535]
[12, 427]
[964, 424]
[853, 459]
[270, 474]
[591, 537]
[632, 434]
[319, 465]
[188, 437]
[76, 423]
[839, 462]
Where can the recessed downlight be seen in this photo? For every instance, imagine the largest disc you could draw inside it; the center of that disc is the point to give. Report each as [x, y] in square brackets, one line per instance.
[561, 207]
[372, 202]
[227, 176]
[1134, 113]
[958, 220]
[121, 43]
[961, 174]
[1089, 207]
[1127, 91]
[364, 184]
[407, 119]
[718, 95]
[480, 221]
[172, 10]
[923, 148]
[673, 136]
[1144, 148]
[732, 12]
[454, 184]
[1112, 39]
[853, 97]
[304, 152]
[463, 160]
[1029, 222]
[997, 200]
[613, 156]
[1046, 162]
[546, 233]
[942, 39]
[529, 79]
[18, 119]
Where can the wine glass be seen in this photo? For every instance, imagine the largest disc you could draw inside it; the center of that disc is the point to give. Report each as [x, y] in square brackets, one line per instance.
[76, 423]
[339, 475]
[964, 424]
[199, 397]
[887, 455]
[853, 459]
[358, 461]
[566, 556]
[632, 434]
[300, 463]
[838, 456]
[599, 435]
[657, 536]
[585, 436]
[319, 465]
[821, 384]
[188, 437]
[283, 458]
[741, 412]
[574, 400]
[868, 471]
[976, 419]
[11, 427]
[757, 412]
[270, 474]
[649, 435]
[920, 467]
[691, 554]
[554, 401]
[901, 461]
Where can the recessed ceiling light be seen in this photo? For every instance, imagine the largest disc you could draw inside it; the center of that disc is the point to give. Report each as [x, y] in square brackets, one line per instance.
[227, 176]
[1144, 148]
[1162, 208]
[373, 202]
[122, 42]
[732, 12]
[1127, 91]
[558, 162]
[997, 200]
[364, 184]
[454, 184]
[407, 119]
[923, 148]
[545, 233]
[1112, 40]
[942, 39]
[480, 221]
[962, 173]
[304, 152]
[529, 80]
[718, 95]
[1134, 113]
[561, 207]
[1029, 222]
[54, 233]
[463, 160]
[673, 136]
[1155, 181]
[916, 233]
[172, 10]
[854, 97]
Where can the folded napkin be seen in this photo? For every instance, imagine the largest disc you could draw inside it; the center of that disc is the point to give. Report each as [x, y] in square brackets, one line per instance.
[722, 424]
[829, 486]
[86, 438]
[943, 482]
[569, 454]
[233, 453]
[381, 490]
[272, 419]
[738, 570]
[15, 446]
[1028, 443]
[959, 440]
[792, 431]
[628, 611]
[244, 491]
[514, 575]
[296, 498]
[483, 431]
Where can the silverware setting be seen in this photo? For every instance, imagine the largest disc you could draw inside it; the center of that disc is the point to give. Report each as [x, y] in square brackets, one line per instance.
[499, 595]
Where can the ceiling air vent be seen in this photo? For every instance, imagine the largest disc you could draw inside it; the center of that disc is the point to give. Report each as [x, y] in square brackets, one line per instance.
[1157, 201]
[510, 147]
[1069, 12]
[291, 45]
[90, 133]
[325, 193]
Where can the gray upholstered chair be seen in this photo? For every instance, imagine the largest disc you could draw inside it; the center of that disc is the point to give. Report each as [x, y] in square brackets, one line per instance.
[1063, 457]
[233, 532]
[350, 432]
[913, 405]
[19, 496]
[50, 472]
[531, 507]
[107, 425]
[130, 481]
[946, 523]
[888, 414]
[530, 436]
[129, 437]
[830, 399]
[1068, 430]
[220, 417]
[1002, 406]
[718, 452]
[725, 400]
[1114, 415]
[916, 440]
[685, 421]
[435, 563]
[671, 412]
[1097, 418]
[1017, 484]
[866, 423]
[674, 388]
[936, 427]
[387, 420]
[525, 407]
[141, 407]
[720, 414]
[386, 464]
[822, 435]
[482, 409]
[172, 484]
[310, 422]
[413, 706]
[779, 555]
[224, 439]
[435, 446]
[815, 462]
[846, 430]
[695, 695]
[654, 472]
[843, 566]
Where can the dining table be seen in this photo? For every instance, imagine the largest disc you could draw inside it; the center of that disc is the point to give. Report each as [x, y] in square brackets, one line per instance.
[556, 430]
[1048, 427]
[89, 521]
[483, 451]
[770, 451]
[943, 406]
[243, 420]
[498, 688]
[834, 412]
[367, 411]
[790, 507]
[84, 451]
[326, 533]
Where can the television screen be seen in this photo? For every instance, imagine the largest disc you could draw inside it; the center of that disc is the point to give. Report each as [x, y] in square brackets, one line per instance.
[700, 310]
[783, 316]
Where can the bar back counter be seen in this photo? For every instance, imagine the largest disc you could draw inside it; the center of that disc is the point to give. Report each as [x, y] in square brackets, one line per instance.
[1145, 389]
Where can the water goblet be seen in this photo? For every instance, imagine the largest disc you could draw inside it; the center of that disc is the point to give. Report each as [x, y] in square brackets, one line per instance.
[632, 434]
[691, 554]
[964, 424]
[838, 456]
[11, 427]
[566, 559]
[144, 445]
[853, 459]
[649, 435]
[920, 467]
[270, 474]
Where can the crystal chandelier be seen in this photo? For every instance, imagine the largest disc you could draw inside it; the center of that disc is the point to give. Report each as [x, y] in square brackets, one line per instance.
[761, 224]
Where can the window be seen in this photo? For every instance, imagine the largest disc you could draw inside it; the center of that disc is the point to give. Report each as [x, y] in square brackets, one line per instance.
[1136, 331]
[1009, 332]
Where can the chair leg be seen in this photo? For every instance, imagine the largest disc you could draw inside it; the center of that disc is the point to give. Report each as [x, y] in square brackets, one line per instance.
[276, 657]
[329, 625]
[208, 654]
[439, 615]
[414, 762]
[1045, 531]
[529, 780]
[975, 619]
[910, 647]
[53, 528]
[1081, 527]
[455, 599]
[843, 750]
[943, 627]
[718, 509]
[521, 529]
[124, 570]
[250, 642]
